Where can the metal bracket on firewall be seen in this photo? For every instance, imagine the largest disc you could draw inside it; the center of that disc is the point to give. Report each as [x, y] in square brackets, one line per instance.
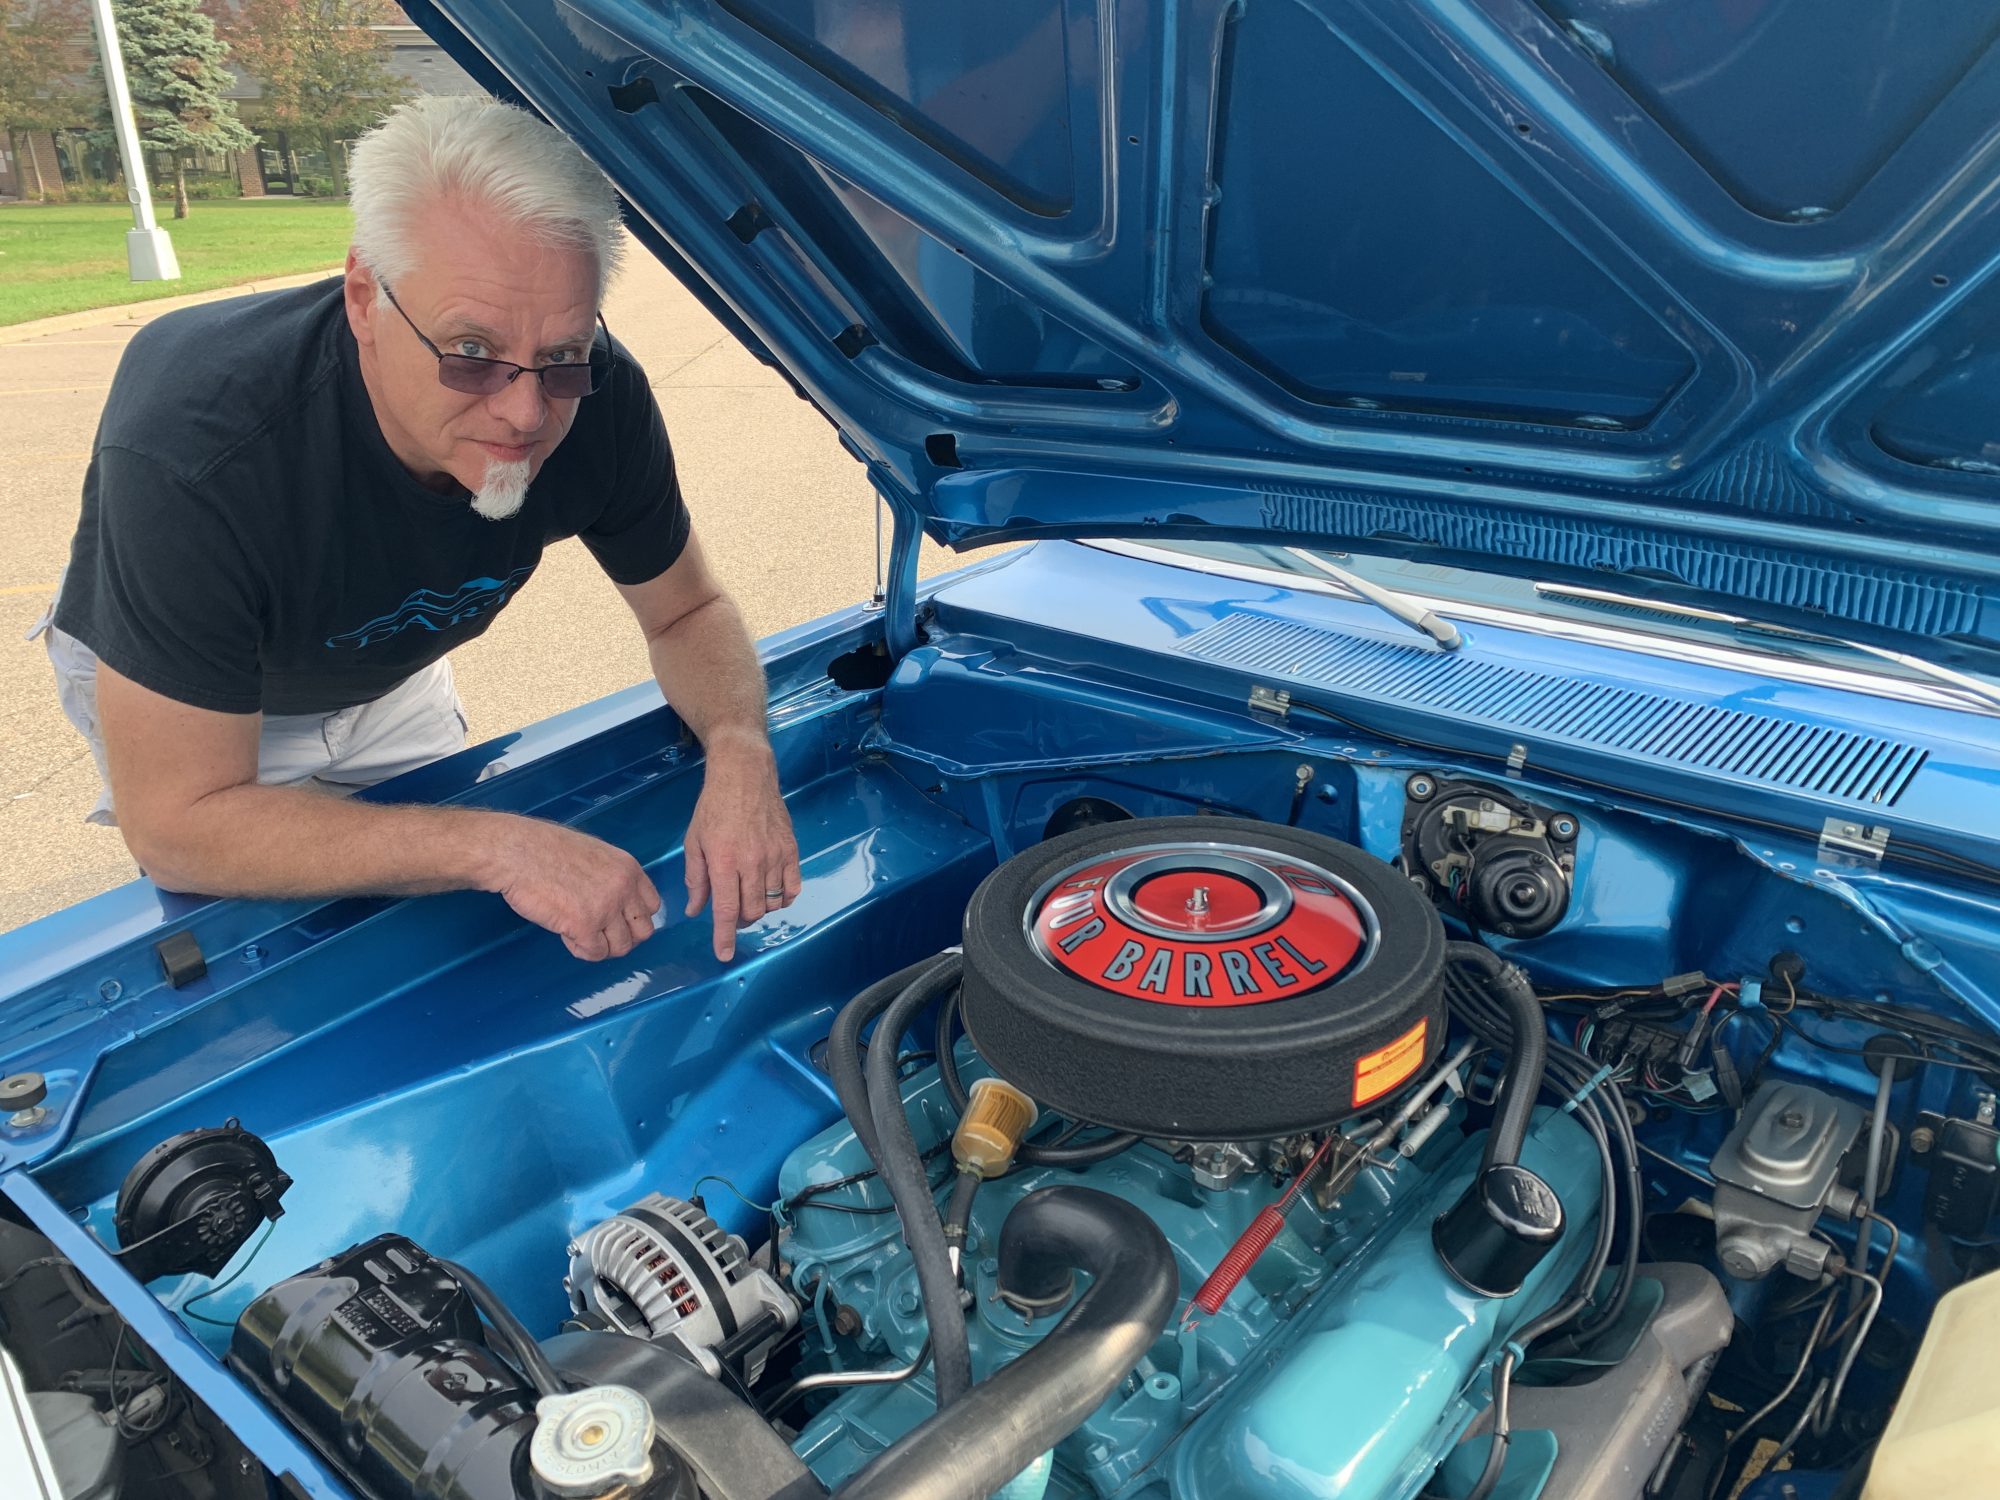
[1844, 841]
[1276, 702]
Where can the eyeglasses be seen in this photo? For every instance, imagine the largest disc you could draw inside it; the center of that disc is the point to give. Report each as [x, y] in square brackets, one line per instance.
[471, 375]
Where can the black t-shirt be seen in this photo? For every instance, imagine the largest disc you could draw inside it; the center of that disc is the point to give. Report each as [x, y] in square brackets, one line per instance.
[249, 541]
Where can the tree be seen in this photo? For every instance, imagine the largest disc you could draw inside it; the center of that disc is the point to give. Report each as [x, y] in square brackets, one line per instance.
[173, 66]
[35, 69]
[321, 65]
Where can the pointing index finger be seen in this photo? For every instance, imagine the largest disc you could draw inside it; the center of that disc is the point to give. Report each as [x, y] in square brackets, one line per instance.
[727, 905]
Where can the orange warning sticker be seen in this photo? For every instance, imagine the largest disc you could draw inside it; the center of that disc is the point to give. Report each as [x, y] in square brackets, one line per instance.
[1375, 1073]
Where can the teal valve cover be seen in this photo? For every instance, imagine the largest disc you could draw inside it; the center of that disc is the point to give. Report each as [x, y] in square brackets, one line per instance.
[1369, 1388]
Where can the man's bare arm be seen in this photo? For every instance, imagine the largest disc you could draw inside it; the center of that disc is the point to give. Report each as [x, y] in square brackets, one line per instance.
[740, 846]
[185, 784]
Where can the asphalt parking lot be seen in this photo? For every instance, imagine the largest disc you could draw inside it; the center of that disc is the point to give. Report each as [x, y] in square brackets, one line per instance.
[785, 513]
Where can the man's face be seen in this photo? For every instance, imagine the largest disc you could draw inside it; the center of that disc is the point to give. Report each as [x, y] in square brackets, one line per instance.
[479, 287]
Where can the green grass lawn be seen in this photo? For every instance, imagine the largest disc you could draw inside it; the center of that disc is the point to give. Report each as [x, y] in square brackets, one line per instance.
[68, 257]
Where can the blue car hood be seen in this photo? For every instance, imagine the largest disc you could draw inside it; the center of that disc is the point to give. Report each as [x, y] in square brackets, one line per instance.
[1697, 294]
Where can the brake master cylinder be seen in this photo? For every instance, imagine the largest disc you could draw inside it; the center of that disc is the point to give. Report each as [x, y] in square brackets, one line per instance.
[1775, 1174]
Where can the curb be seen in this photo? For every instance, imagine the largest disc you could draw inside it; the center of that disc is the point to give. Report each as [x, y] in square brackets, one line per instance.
[97, 317]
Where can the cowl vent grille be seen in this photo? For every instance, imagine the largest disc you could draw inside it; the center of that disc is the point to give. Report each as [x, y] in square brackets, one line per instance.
[1842, 764]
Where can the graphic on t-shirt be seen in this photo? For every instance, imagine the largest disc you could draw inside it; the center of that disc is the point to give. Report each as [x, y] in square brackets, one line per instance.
[427, 609]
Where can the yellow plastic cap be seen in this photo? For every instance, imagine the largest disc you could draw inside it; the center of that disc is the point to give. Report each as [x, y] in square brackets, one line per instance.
[998, 1118]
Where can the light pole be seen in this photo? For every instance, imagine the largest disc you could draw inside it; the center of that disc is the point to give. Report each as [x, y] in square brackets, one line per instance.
[148, 251]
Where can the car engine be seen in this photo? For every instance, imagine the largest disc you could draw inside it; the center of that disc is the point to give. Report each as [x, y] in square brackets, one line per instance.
[1207, 1165]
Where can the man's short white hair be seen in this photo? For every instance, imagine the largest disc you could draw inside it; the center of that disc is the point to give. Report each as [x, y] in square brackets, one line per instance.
[481, 153]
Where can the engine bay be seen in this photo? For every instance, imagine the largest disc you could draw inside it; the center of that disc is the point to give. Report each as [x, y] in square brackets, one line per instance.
[1279, 1124]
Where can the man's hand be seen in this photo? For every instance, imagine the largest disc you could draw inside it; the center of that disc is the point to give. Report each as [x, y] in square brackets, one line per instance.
[594, 897]
[740, 847]
[195, 818]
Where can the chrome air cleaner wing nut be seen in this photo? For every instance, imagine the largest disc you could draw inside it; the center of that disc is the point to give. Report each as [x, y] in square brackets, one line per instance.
[1203, 978]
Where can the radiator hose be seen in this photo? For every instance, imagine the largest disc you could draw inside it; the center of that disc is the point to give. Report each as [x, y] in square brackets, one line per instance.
[1002, 1425]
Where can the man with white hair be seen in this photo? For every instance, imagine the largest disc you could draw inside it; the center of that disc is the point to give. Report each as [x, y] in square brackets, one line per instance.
[298, 502]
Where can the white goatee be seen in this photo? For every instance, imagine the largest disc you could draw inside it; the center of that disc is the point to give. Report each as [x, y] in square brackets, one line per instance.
[503, 490]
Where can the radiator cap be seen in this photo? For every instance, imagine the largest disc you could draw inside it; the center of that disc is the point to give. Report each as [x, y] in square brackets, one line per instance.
[592, 1442]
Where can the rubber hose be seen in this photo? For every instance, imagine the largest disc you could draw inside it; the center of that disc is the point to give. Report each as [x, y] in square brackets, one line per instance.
[947, 1047]
[945, 1044]
[902, 1169]
[958, 1210]
[1573, 1073]
[1527, 1051]
[843, 1046]
[1032, 1403]
[528, 1359]
[1602, 1113]
[1030, 1155]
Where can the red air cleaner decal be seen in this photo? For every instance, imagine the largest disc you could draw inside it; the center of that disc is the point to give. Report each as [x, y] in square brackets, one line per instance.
[1197, 933]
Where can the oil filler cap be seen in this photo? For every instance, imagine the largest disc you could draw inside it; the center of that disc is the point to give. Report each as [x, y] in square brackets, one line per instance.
[1203, 978]
[1498, 1231]
[592, 1442]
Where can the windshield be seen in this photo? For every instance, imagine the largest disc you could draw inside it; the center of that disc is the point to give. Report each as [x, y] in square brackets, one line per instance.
[1470, 593]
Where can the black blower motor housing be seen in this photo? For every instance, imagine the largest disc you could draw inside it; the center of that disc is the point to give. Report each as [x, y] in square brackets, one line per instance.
[1203, 978]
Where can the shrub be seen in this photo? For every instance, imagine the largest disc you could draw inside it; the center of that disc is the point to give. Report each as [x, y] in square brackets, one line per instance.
[93, 192]
[163, 192]
[202, 187]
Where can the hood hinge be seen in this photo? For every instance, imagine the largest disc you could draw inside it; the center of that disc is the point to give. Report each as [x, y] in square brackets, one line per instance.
[1844, 841]
[1277, 702]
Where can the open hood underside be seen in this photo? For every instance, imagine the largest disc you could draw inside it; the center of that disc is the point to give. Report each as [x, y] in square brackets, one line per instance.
[1699, 295]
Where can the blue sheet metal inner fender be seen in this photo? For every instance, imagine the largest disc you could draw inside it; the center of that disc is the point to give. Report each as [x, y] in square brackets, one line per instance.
[1382, 1372]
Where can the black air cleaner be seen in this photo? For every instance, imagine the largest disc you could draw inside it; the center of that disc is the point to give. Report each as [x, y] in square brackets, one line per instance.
[1203, 978]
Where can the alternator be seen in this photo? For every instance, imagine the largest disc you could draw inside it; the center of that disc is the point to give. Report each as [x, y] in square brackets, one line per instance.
[664, 1269]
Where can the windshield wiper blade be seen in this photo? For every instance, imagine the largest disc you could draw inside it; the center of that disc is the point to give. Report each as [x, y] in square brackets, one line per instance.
[1763, 630]
[1414, 615]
